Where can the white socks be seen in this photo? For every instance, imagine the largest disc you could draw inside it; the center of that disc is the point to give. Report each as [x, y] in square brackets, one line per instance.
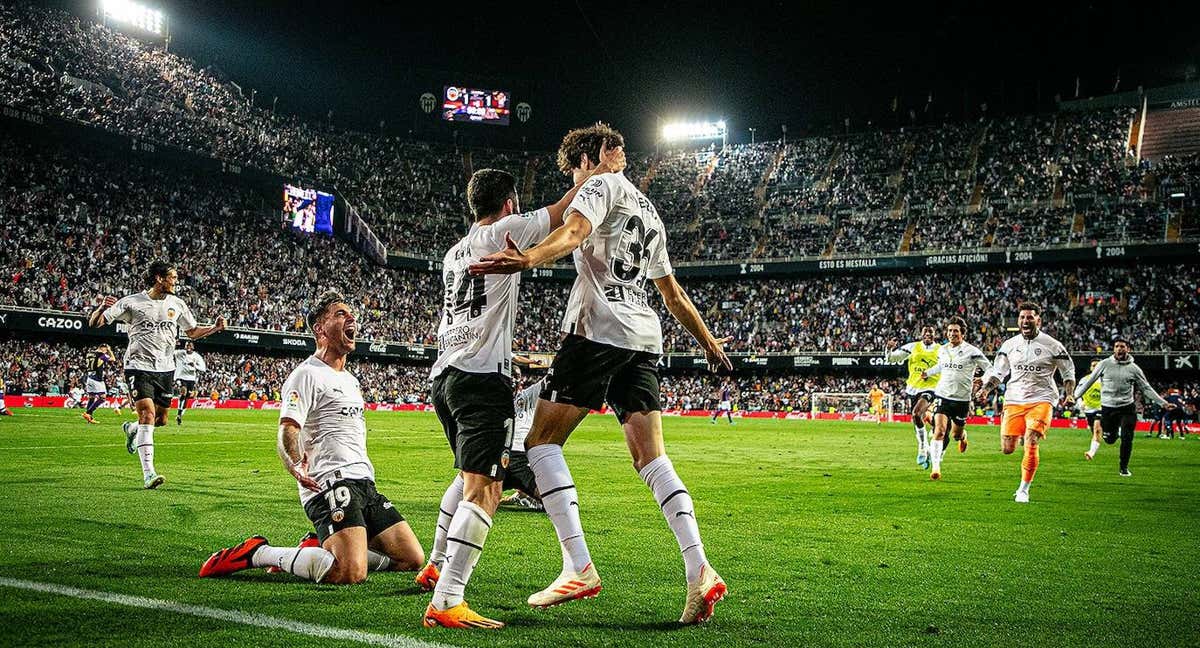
[468, 531]
[921, 446]
[1094, 448]
[378, 562]
[676, 505]
[1024, 487]
[561, 501]
[145, 448]
[936, 452]
[311, 563]
[450, 501]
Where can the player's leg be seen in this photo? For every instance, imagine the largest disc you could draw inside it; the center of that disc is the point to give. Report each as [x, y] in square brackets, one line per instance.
[428, 576]
[140, 436]
[183, 398]
[1012, 428]
[1126, 424]
[918, 421]
[936, 448]
[1093, 422]
[392, 546]
[729, 415]
[1037, 421]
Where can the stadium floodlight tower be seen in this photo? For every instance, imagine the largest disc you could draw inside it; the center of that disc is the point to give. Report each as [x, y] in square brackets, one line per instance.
[694, 131]
[142, 18]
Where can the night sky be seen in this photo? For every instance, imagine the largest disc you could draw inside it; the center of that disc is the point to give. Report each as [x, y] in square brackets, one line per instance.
[808, 65]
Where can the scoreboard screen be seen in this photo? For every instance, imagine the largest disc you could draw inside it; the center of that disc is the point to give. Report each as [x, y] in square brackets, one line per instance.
[307, 210]
[461, 104]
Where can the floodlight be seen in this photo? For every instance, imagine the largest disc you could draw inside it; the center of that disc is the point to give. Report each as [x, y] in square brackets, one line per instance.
[134, 14]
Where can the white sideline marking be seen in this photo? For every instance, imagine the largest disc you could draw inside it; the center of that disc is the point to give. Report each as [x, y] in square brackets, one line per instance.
[233, 616]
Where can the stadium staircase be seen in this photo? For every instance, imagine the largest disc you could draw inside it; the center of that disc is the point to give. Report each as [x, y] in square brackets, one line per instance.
[1174, 226]
[975, 202]
[760, 199]
[1078, 227]
[527, 179]
[1171, 132]
[906, 238]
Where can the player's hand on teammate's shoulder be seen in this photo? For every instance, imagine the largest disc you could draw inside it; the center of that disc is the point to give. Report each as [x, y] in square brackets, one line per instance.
[714, 353]
[507, 261]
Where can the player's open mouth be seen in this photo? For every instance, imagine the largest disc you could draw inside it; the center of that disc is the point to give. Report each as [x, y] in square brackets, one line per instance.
[351, 332]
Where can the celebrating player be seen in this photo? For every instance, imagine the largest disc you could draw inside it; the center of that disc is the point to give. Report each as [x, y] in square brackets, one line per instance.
[1091, 408]
[4, 411]
[188, 367]
[96, 388]
[921, 355]
[322, 443]
[726, 403]
[472, 389]
[1118, 374]
[155, 317]
[957, 363]
[610, 355]
[1029, 360]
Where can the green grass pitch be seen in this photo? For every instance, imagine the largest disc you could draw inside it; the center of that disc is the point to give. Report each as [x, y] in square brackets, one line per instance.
[827, 534]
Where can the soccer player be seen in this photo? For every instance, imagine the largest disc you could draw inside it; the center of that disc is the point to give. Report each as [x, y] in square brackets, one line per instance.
[1029, 360]
[1091, 408]
[472, 389]
[1174, 416]
[155, 317]
[188, 367]
[322, 443]
[726, 404]
[921, 355]
[1118, 374]
[957, 362]
[4, 411]
[876, 395]
[96, 389]
[610, 355]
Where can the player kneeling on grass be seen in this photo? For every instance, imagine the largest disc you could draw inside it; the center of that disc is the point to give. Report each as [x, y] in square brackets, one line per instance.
[323, 444]
[957, 362]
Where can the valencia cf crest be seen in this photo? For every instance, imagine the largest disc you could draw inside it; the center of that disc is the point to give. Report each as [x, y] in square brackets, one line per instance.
[504, 460]
[1037, 351]
[337, 516]
[170, 313]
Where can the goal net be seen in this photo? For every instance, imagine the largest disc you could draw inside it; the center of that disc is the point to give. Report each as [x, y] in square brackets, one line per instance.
[851, 406]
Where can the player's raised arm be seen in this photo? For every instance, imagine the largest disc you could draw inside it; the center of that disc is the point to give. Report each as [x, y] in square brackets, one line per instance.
[198, 332]
[682, 308]
[1090, 379]
[898, 354]
[106, 312]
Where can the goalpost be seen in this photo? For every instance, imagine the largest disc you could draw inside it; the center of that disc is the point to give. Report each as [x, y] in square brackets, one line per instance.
[851, 405]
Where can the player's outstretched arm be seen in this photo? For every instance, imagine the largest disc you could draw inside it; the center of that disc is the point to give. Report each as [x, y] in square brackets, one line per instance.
[559, 243]
[1089, 380]
[1148, 391]
[611, 161]
[292, 455]
[198, 332]
[682, 308]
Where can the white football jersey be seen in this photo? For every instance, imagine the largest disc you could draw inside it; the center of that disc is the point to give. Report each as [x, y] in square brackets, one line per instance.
[475, 330]
[328, 405]
[956, 365]
[188, 366]
[154, 326]
[1030, 366]
[525, 405]
[628, 245]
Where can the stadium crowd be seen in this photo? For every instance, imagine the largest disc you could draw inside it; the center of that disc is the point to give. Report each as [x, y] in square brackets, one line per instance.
[814, 196]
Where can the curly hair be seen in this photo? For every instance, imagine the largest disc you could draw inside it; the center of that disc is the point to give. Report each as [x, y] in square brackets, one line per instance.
[586, 141]
[318, 312]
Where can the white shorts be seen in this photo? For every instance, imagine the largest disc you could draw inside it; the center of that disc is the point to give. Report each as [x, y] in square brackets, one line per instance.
[725, 406]
[96, 387]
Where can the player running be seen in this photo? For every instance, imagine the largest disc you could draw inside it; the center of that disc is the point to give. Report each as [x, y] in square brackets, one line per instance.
[322, 443]
[4, 411]
[610, 355]
[94, 365]
[725, 406]
[921, 355]
[472, 389]
[957, 362]
[1090, 398]
[188, 367]
[1119, 374]
[1029, 360]
[155, 317]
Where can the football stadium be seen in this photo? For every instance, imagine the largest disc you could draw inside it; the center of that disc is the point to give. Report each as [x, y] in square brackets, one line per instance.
[641, 324]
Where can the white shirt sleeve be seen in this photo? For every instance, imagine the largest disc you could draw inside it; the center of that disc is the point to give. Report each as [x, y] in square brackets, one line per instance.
[200, 364]
[595, 199]
[981, 361]
[901, 353]
[1066, 366]
[187, 321]
[118, 312]
[1000, 368]
[660, 262]
[298, 397]
[1089, 380]
[525, 229]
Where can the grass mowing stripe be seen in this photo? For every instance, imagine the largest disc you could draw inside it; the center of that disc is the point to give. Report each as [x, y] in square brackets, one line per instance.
[167, 443]
[233, 616]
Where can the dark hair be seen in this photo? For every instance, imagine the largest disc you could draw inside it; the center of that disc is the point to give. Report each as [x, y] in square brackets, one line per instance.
[487, 191]
[1030, 306]
[156, 269]
[586, 141]
[327, 299]
[957, 321]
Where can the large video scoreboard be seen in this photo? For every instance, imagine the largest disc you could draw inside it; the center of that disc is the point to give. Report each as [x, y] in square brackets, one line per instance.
[460, 104]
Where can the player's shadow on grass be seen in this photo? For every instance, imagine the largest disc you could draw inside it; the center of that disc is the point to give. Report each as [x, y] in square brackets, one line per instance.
[616, 624]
